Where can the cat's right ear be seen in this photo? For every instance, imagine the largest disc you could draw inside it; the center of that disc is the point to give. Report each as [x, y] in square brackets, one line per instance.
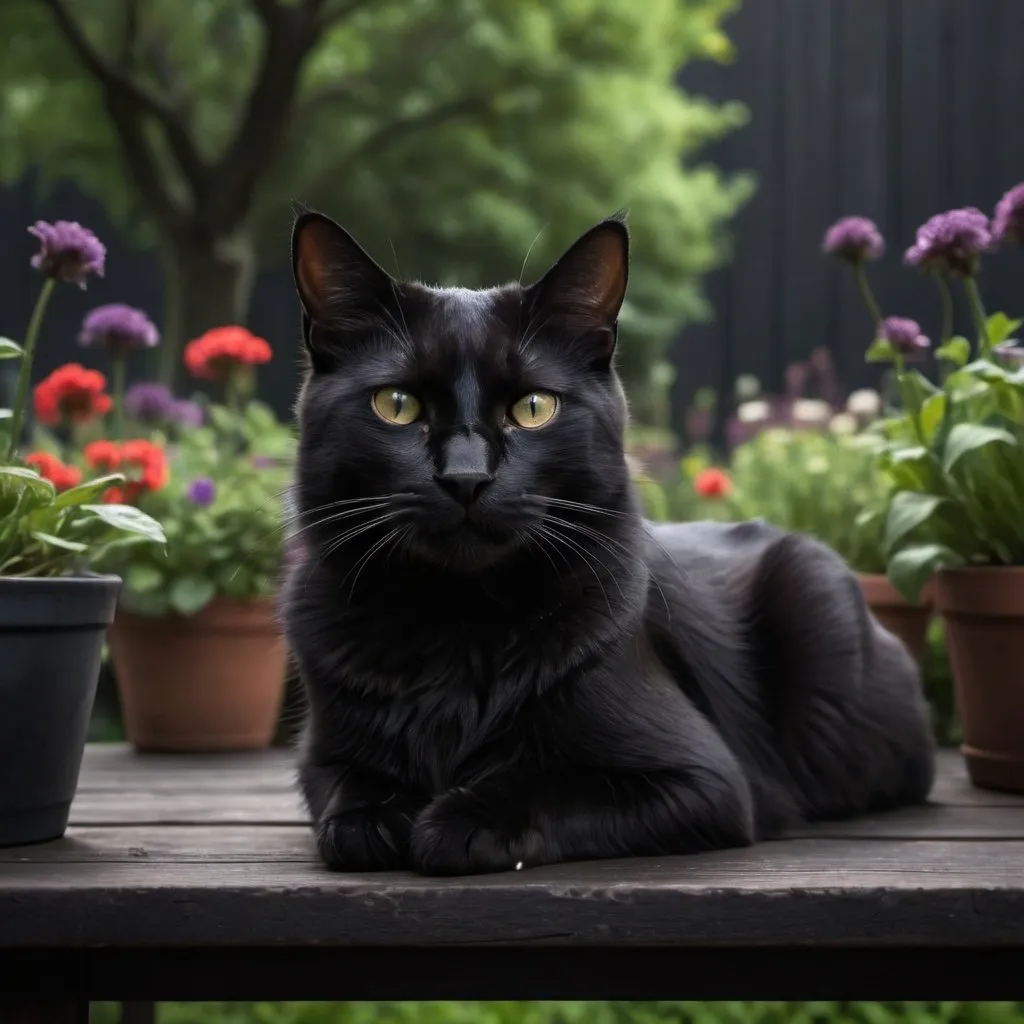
[340, 285]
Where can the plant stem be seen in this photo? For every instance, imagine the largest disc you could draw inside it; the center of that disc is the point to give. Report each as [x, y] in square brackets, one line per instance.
[978, 313]
[120, 364]
[25, 376]
[946, 297]
[866, 294]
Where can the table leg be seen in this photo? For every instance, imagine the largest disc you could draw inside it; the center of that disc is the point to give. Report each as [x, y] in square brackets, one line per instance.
[65, 1011]
[138, 1013]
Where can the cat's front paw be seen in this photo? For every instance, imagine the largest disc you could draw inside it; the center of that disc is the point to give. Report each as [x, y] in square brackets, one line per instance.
[365, 839]
[464, 833]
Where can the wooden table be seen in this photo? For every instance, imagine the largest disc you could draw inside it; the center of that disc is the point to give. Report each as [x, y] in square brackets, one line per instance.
[195, 877]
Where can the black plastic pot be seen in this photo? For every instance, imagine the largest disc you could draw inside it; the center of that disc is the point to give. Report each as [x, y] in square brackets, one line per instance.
[51, 640]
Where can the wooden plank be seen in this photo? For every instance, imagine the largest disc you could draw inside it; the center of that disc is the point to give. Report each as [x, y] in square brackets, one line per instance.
[293, 843]
[862, 167]
[173, 808]
[801, 891]
[66, 1011]
[808, 88]
[119, 786]
[753, 295]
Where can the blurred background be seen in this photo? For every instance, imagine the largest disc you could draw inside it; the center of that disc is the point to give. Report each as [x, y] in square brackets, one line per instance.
[451, 137]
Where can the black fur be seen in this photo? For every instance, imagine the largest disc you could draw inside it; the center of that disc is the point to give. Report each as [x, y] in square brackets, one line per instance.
[544, 676]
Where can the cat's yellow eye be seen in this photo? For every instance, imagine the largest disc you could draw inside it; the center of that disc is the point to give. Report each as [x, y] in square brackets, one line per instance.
[396, 406]
[534, 410]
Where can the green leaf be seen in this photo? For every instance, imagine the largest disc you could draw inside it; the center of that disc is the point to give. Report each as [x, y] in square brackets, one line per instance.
[10, 350]
[59, 542]
[908, 570]
[143, 579]
[16, 478]
[1000, 327]
[915, 389]
[956, 351]
[881, 351]
[968, 437]
[190, 594]
[932, 411]
[88, 492]
[128, 519]
[907, 511]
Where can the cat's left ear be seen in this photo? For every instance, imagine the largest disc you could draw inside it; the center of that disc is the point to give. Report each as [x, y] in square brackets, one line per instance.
[584, 290]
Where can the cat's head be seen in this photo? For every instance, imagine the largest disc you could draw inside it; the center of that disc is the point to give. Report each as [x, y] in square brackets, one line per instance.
[457, 424]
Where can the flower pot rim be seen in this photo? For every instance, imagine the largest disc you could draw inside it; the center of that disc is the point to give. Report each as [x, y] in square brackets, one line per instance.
[980, 590]
[78, 579]
[977, 570]
[57, 602]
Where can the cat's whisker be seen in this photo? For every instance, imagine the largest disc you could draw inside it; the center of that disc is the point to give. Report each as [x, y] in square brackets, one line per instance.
[596, 535]
[364, 561]
[356, 531]
[557, 537]
[580, 506]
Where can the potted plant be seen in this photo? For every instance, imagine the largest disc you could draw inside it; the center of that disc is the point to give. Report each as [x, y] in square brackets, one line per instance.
[54, 609]
[955, 455]
[197, 653]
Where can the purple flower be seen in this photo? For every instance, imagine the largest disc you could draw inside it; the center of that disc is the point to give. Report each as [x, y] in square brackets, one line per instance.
[68, 251]
[119, 329]
[1008, 223]
[951, 242]
[854, 239]
[186, 414]
[904, 335]
[149, 402]
[202, 492]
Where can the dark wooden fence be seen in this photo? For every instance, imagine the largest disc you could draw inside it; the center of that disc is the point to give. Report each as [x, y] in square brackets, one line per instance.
[894, 109]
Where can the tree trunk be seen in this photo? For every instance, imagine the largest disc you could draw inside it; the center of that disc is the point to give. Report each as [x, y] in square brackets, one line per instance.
[208, 283]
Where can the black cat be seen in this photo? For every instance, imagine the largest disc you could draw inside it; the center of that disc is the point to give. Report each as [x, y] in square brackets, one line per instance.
[505, 664]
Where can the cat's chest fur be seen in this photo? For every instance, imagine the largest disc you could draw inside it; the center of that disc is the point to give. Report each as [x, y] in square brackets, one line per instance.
[426, 700]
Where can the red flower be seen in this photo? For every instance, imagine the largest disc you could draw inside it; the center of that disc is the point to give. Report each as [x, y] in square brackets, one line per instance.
[150, 463]
[143, 463]
[219, 351]
[49, 467]
[71, 392]
[103, 455]
[712, 483]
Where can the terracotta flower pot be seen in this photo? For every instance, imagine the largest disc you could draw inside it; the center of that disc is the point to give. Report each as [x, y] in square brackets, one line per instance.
[906, 621]
[212, 681]
[984, 613]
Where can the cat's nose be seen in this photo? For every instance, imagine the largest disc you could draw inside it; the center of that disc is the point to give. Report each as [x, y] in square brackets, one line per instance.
[465, 470]
[464, 486]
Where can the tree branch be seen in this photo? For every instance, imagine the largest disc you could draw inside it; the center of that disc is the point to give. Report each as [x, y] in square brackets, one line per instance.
[130, 34]
[290, 33]
[132, 95]
[141, 162]
[398, 130]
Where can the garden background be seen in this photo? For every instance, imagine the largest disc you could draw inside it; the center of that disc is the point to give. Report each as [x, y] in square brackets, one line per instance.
[455, 140]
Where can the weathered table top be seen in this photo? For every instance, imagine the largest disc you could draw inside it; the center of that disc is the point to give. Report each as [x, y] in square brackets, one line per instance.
[213, 853]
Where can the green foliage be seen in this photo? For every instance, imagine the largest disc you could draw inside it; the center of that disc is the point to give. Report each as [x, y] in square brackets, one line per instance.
[818, 483]
[43, 533]
[580, 1013]
[465, 130]
[46, 533]
[231, 547]
[954, 458]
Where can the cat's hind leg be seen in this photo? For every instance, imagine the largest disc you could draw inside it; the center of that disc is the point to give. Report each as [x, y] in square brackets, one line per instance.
[843, 694]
